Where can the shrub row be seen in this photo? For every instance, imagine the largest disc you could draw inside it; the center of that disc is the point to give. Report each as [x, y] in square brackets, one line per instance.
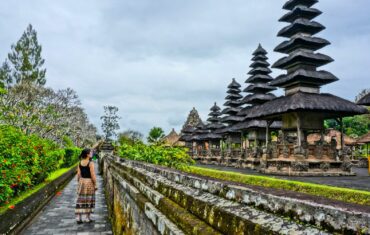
[26, 161]
[341, 194]
[175, 157]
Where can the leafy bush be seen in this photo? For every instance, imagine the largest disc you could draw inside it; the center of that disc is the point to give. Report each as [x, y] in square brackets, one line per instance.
[160, 155]
[25, 161]
[71, 156]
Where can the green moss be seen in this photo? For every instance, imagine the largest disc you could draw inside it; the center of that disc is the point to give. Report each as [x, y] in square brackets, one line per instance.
[341, 194]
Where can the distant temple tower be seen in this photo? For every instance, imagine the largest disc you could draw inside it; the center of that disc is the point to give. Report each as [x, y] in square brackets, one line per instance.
[232, 108]
[193, 119]
[303, 109]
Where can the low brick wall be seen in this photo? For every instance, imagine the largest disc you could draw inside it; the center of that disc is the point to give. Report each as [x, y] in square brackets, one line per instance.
[149, 199]
[14, 221]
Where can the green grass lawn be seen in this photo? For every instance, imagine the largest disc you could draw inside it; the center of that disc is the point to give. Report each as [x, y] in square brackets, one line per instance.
[336, 193]
[52, 176]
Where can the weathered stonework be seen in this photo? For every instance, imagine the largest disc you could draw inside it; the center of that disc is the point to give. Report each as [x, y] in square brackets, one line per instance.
[174, 202]
[333, 217]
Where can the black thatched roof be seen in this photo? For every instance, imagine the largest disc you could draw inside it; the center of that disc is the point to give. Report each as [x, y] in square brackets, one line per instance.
[255, 124]
[215, 108]
[259, 87]
[234, 84]
[231, 119]
[301, 42]
[188, 129]
[364, 100]
[227, 130]
[259, 63]
[328, 104]
[185, 138]
[210, 136]
[231, 110]
[259, 78]
[214, 126]
[258, 98]
[259, 51]
[302, 57]
[301, 26]
[317, 78]
[300, 12]
[244, 111]
[291, 4]
[259, 70]
[233, 97]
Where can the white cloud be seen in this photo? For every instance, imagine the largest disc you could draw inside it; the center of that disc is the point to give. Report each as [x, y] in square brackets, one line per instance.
[156, 60]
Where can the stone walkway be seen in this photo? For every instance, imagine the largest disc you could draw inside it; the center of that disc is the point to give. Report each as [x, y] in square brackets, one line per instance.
[58, 216]
[360, 181]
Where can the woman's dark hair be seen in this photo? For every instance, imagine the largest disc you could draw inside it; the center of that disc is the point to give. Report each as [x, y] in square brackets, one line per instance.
[84, 153]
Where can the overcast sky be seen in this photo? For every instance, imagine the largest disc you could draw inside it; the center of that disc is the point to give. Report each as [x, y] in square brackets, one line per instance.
[156, 59]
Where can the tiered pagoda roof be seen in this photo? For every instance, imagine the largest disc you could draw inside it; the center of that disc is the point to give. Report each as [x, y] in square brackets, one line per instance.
[232, 104]
[302, 60]
[214, 124]
[259, 89]
[303, 80]
[232, 108]
[259, 80]
[215, 118]
[200, 130]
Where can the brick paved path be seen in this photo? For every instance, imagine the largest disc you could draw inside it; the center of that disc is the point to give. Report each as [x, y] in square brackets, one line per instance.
[58, 216]
[360, 181]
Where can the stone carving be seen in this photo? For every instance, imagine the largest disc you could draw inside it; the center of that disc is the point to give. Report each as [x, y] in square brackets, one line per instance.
[300, 166]
[325, 166]
[346, 166]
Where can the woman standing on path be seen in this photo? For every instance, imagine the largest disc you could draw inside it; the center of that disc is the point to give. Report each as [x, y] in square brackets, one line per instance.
[86, 187]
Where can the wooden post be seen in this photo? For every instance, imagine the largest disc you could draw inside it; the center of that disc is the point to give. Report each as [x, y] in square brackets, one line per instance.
[267, 133]
[268, 124]
[341, 133]
[299, 139]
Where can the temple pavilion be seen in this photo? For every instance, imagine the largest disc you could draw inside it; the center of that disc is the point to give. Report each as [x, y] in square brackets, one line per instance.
[304, 108]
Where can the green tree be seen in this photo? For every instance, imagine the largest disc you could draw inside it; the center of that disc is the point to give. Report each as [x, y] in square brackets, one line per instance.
[355, 126]
[110, 121]
[130, 137]
[26, 61]
[156, 135]
[5, 75]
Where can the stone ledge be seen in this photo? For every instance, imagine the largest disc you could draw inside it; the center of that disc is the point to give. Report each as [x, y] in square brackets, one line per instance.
[14, 221]
[227, 216]
[332, 217]
[149, 207]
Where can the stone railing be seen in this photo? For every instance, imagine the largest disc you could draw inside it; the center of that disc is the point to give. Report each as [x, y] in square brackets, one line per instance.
[149, 199]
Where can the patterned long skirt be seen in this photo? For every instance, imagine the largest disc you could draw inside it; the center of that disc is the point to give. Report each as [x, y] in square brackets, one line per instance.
[85, 196]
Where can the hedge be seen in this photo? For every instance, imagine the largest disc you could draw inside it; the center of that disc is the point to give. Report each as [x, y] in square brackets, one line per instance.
[341, 194]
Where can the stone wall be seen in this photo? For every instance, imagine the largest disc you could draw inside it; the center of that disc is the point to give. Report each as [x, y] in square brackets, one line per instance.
[149, 199]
